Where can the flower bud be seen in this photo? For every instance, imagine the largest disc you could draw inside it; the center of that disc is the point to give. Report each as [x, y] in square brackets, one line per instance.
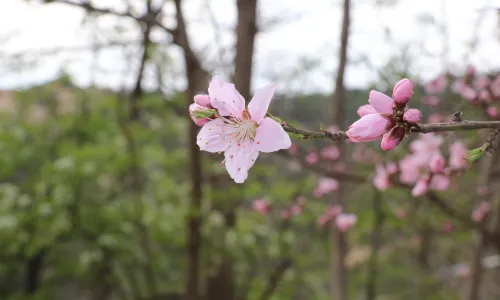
[412, 115]
[403, 90]
[199, 114]
[203, 100]
[392, 138]
[437, 163]
[421, 187]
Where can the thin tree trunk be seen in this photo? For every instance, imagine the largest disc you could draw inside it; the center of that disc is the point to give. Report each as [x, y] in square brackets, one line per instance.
[197, 81]
[339, 281]
[34, 266]
[376, 242]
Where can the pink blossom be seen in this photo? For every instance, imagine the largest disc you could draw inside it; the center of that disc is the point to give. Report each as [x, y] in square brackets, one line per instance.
[482, 82]
[312, 158]
[402, 92]
[448, 226]
[334, 211]
[430, 100]
[484, 96]
[392, 138]
[369, 128]
[470, 71]
[420, 188]
[409, 167]
[296, 209]
[492, 112]
[437, 85]
[480, 213]
[345, 221]
[330, 153]
[285, 214]
[381, 102]
[457, 152]
[366, 110]
[458, 86]
[392, 167]
[440, 182]
[427, 144]
[437, 163]
[325, 186]
[495, 87]
[323, 220]
[412, 115]
[381, 180]
[244, 133]
[261, 206]
[468, 93]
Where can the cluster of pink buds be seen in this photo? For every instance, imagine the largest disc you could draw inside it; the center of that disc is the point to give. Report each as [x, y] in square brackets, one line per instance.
[386, 117]
[261, 206]
[325, 186]
[294, 209]
[425, 168]
[343, 221]
[481, 212]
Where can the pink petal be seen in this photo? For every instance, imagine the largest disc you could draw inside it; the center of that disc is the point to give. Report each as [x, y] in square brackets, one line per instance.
[369, 128]
[271, 137]
[381, 102]
[366, 110]
[225, 98]
[260, 103]
[211, 136]
[392, 138]
[239, 159]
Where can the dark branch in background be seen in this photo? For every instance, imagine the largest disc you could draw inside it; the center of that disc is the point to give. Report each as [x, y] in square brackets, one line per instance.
[275, 278]
[339, 274]
[376, 243]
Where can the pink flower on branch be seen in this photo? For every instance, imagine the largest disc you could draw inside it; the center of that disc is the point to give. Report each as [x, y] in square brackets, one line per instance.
[325, 186]
[385, 117]
[345, 221]
[261, 206]
[238, 132]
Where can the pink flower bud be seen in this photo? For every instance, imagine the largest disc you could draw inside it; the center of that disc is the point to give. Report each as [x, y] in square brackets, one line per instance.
[481, 212]
[392, 167]
[203, 100]
[325, 186]
[412, 115]
[312, 158]
[437, 163]
[261, 206]
[492, 112]
[440, 182]
[366, 110]
[457, 152]
[448, 227]
[403, 90]
[392, 138]
[334, 211]
[381, 102]
[322, 220]
[369, 128]
[198, 121]
[421, 187]
[345, 221]
[296, 209]
[330, 153]
[381, 180]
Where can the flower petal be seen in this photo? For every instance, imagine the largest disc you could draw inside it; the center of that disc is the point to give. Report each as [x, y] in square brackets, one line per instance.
[271, 137]
[260, 103]
[225, 98]
[239, 159]
[381, 102]
[211, 137]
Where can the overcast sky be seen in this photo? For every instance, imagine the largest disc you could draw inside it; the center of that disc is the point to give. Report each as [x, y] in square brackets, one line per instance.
[309, 29]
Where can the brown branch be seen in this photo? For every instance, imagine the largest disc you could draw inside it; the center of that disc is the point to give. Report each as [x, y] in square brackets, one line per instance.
[275, 278]
[376, 243]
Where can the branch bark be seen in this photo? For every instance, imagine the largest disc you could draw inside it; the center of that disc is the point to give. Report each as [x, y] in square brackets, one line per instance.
[376, 243]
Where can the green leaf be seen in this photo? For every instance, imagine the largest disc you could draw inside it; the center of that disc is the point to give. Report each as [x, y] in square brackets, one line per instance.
[474, 154]
[296, 136]
[204, 113]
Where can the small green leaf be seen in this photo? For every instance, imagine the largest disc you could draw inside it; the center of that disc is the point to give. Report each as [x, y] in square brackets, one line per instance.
[204, 113]
[322, 127]
[296, 136]
[474, 154]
